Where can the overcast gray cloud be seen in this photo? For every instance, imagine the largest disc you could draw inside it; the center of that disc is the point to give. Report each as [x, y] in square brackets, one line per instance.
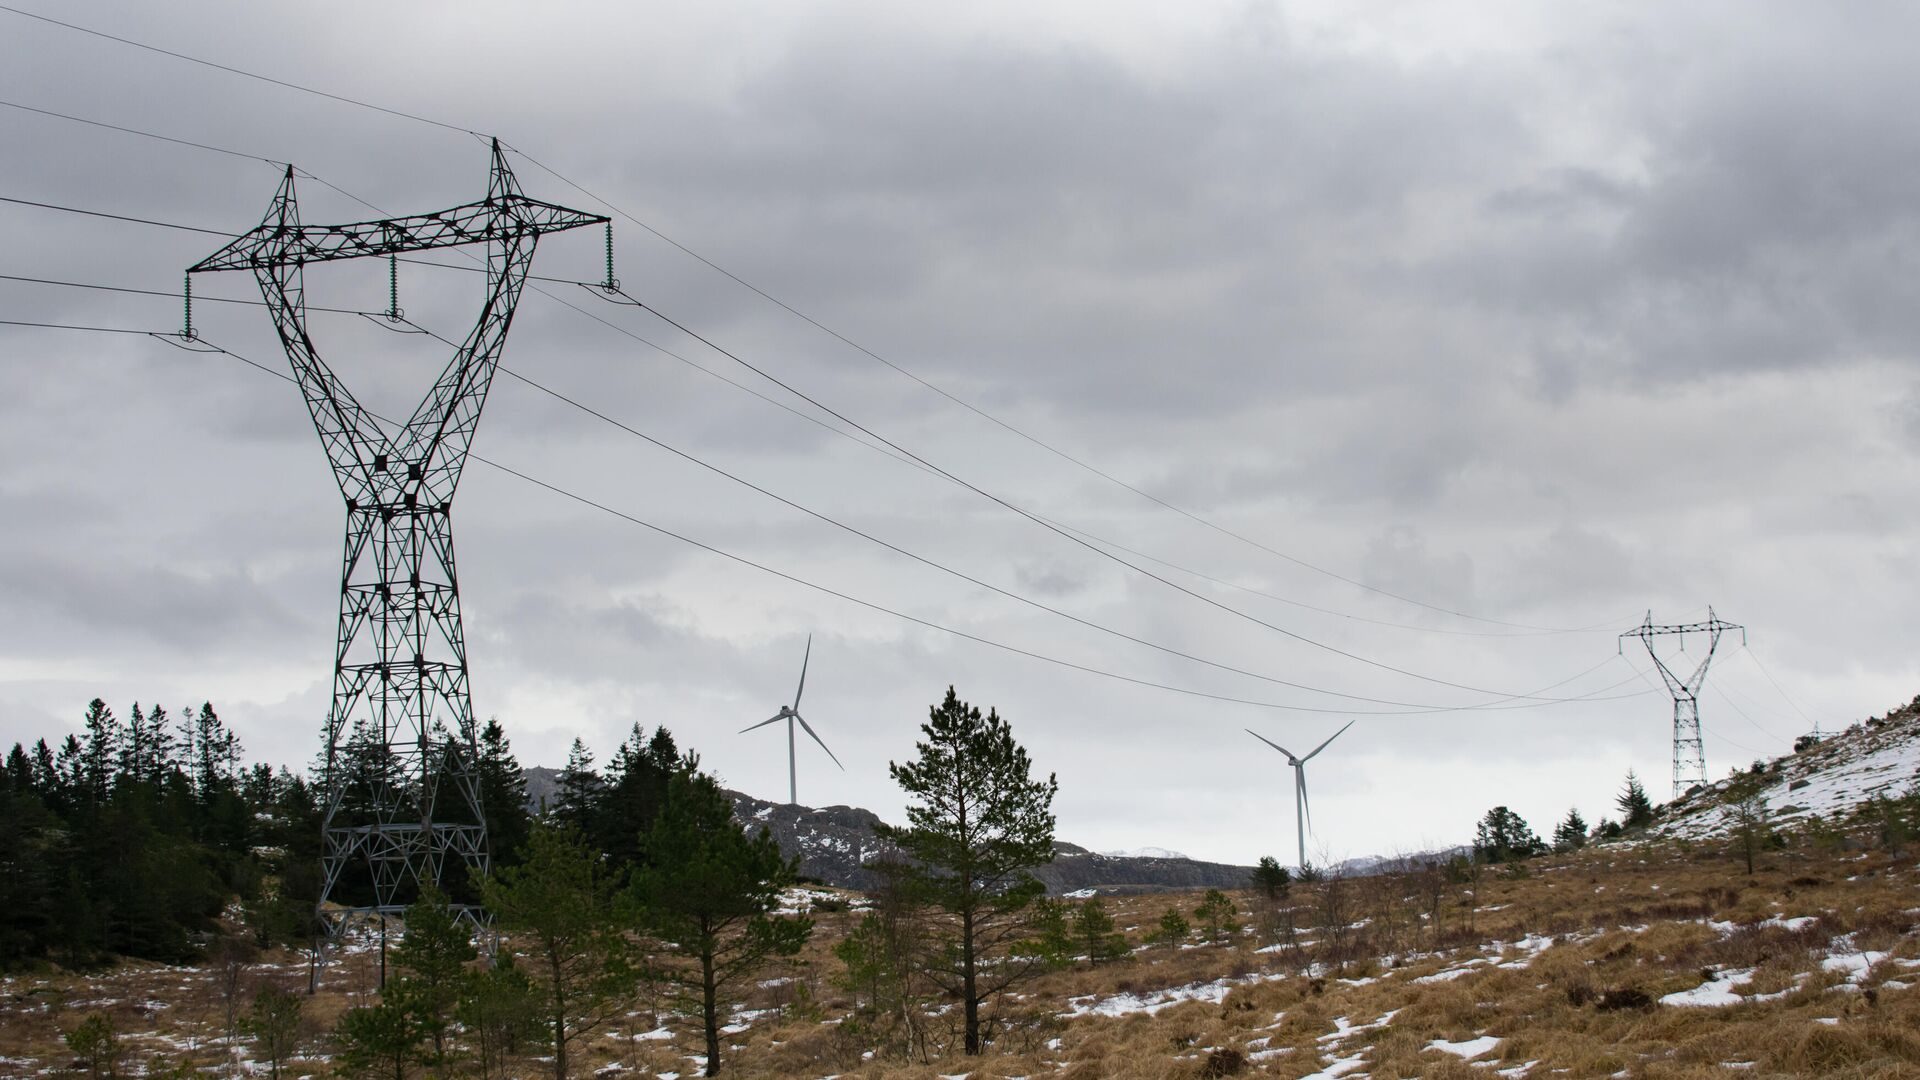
[1544, 315]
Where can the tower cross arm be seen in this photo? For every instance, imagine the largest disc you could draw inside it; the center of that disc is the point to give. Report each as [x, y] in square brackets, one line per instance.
[1647, 630]
[496, 218]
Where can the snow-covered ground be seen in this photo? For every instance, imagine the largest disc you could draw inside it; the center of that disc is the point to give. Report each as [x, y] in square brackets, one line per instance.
[1834, 777]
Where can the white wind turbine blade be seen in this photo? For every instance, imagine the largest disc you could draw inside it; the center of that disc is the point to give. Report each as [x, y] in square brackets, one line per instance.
[1306, 805]
[775, 718]
[1271, 743]
[816, 738]
[803, 673]
[1330, 738]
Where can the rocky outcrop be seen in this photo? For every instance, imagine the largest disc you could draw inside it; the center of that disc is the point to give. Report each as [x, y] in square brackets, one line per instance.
[835, 843]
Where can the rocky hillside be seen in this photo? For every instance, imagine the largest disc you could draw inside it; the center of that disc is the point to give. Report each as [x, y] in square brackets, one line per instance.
[1832, 780]
[835, 842]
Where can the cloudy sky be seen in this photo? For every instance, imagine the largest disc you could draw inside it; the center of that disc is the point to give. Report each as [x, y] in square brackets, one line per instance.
[1447, 325]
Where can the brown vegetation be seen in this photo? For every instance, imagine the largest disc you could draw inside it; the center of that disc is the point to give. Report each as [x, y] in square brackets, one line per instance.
[1564, 966]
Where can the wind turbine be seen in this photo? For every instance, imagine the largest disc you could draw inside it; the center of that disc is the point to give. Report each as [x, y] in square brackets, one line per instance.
[791, 713]
[1300, 812]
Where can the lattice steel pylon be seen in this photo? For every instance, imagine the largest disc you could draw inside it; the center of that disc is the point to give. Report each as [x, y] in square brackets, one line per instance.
[402, 784]
[1689, 754]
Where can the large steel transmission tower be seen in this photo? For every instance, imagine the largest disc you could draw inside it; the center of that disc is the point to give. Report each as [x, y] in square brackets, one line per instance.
[402, 785]
[1689, 756]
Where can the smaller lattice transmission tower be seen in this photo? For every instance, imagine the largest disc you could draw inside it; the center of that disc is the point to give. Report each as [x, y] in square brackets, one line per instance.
[401, 778]
[1689, 756]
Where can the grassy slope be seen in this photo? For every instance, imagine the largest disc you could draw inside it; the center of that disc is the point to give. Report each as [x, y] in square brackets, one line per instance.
[1814, 960]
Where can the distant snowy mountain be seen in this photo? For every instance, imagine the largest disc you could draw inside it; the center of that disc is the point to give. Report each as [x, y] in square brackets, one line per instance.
[1145, 853]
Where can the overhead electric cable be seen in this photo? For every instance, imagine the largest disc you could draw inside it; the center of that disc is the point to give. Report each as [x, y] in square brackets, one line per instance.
[788, 408]
[114, 217]
[1043, 523]
[1498, 696]
[147, 134]
[930, 624]
[237, 71]
[825, 518]
[781, 304]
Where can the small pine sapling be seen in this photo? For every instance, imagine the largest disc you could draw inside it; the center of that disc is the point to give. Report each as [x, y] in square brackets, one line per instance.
[1219, 918]
[1174, 927]
[1094, 929]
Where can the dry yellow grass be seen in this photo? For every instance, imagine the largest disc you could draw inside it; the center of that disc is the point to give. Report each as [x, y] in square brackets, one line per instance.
[1562, 970]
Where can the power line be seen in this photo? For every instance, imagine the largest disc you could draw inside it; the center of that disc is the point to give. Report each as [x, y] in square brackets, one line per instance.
[1592, 697]
[238, 71]
[795, 312]
[114, 217]
[969, 406]
[825, 518]
[147, 134]
[1042, 522]
[915, 458]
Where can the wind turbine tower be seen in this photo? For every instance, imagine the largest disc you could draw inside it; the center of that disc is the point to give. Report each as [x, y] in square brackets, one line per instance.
[1301, 814]
[791, 714]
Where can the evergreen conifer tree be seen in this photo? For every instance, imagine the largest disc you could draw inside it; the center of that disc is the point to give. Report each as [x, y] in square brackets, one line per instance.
[1636, 809]
[503, 793]
[1504, 836]
[431, 959]
[708, 889]
[1571, 833]
[1095, 931]
[977, 824]
[634, 792]
[576, 800]
[563, 909]
[1271, 878]
[1218, 916]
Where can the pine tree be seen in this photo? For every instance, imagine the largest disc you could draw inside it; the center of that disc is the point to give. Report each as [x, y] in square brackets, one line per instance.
[576, 801]
[500, 1012]
[1636, 809]
[431, 960]
[1174, 927]
[563, 909]
[1218, 916]
[503, 793]
[1571, 833]
[708, 889]
[1504, 836]
[977, 824]
[216, 754]
[102, 752]
[19, 771]
[633, 793]
[274, 1023]
[1271, 878]
[380, 1040]
[1098, 939]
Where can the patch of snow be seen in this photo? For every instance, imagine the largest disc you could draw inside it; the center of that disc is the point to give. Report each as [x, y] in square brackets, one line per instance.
[1468, 1050]
[1339, 1068]
[1150, 1002]
[1517, 1071]
[1714, 993]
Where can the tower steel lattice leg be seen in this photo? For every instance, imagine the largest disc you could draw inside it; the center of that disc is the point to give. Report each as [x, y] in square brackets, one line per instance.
[1689, 751]
[401, 774]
